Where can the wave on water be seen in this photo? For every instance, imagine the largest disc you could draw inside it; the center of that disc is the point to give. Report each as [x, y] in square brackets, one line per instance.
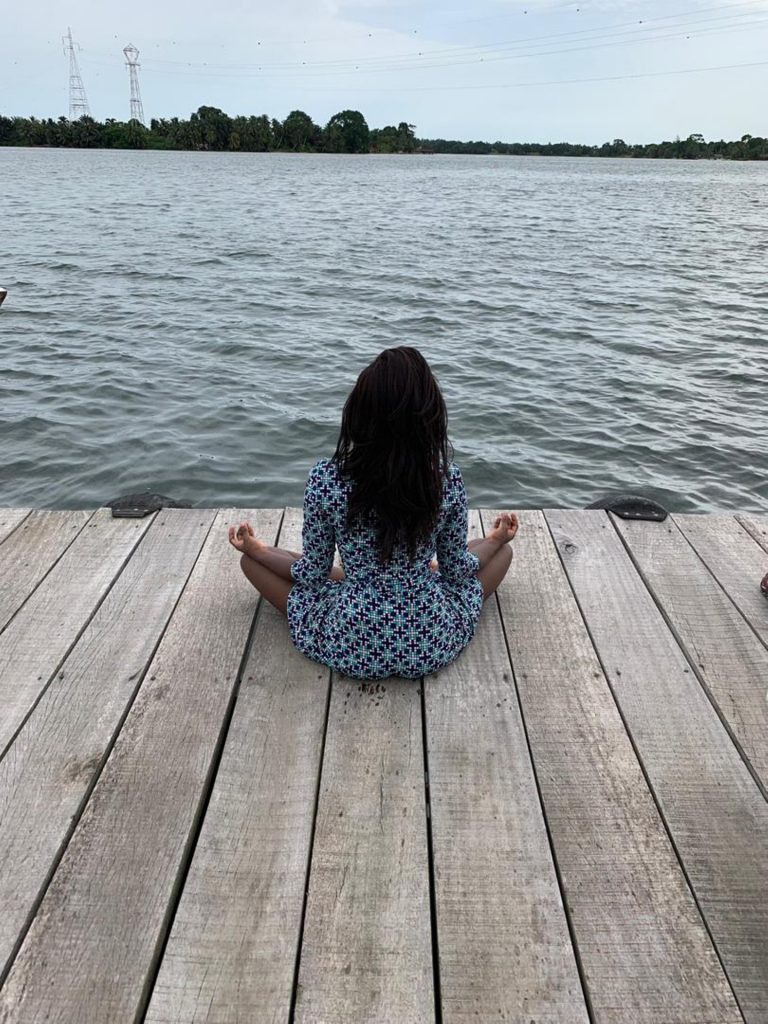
[594, 325]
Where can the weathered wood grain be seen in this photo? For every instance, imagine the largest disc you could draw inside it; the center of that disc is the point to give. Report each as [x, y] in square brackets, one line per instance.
[30, 552]
[757, 526]
[231, 955]
[505, 951]
[90, 951]
[735, 559]
[41, 634]
[10, 519]
[366, 954]
[58, 752]
[729, 658]
[715, 813]
[645, 953]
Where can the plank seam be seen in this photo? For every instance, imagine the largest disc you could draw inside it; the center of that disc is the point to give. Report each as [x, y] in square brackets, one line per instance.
[97, 775]
[693, 665]
[300, 937]
[431, 866]
[20, 523]
[75, 641]
[646, 776]
[712, 573]
[545, 818]
[760, 540]
[196, 827]
[307, 875]
[50, 568]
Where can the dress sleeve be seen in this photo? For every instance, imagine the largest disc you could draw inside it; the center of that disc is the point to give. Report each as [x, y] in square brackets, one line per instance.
[317, 535]
[455, 561]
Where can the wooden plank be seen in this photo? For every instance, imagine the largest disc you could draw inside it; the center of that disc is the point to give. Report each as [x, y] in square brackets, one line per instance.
[505, 950]
[728, 657]
[60, 749]
[231, 954]
[366, 953]
[10, 519]
[41, 634]
[736, 561]
[90, 951]
[30, 552]
[757, 526]
[645, 954]
[714, 811]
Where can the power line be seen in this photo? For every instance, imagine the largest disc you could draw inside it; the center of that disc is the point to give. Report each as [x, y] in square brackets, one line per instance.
[564, 7]
[306, 71]
[571, 81]
[597, 33]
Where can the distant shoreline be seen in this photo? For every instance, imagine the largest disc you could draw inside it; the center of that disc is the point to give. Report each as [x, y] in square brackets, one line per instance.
[211, 130]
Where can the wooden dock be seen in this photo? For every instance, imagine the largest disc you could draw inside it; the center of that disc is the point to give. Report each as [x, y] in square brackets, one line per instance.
[567, 825]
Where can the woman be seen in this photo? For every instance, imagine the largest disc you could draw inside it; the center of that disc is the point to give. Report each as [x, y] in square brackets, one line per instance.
[389, 498]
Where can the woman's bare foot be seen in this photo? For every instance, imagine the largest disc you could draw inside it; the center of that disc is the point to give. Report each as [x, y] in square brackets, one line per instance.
[505, 526]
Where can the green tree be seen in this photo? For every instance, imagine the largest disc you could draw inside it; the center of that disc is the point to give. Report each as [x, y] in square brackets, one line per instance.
[406, 139]
[348, 132]
[300, 132]
[213, 127]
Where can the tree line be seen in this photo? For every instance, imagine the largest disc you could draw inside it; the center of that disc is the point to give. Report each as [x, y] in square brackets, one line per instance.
[695, 147]
[211, 129]
[346, 132]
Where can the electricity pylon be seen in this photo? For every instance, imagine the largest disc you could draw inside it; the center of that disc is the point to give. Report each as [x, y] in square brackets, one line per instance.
[132, 63]
[78, 101]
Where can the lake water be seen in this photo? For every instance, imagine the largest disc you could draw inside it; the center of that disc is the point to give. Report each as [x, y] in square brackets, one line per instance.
[192, 322]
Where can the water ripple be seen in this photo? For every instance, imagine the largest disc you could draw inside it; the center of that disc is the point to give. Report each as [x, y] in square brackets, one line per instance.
[192, 323]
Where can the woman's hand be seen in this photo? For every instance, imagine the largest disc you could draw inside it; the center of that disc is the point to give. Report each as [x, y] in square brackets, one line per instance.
[244, 539]
[505, 527]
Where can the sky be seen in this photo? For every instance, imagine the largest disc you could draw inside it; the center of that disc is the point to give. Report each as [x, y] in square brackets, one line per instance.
[538, 70]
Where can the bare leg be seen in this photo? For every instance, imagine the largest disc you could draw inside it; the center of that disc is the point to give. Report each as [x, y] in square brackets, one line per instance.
[280, 560]
[268, 583]
[495, 560]
[495, 569]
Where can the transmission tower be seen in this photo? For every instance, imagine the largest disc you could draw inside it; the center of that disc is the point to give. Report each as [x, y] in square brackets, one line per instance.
[78, 101]
[132, 63]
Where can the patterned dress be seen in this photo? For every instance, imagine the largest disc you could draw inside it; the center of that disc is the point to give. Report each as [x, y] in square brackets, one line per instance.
[400, 620]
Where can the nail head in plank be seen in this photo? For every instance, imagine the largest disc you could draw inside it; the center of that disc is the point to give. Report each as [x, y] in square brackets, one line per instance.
[645, 953]
[90, 950]
[61, 746]
[231, 954]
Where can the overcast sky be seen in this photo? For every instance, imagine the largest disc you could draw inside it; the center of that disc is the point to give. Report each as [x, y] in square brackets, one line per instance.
[486, 69]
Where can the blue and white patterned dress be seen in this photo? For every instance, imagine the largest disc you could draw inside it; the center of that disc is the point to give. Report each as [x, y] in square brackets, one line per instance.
[401, 620]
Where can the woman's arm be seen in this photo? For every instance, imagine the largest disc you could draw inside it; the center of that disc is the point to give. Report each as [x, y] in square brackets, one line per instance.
[456, 562]
[317, 534]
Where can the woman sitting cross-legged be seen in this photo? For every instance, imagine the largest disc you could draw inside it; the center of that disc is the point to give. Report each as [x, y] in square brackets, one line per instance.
[390, 497]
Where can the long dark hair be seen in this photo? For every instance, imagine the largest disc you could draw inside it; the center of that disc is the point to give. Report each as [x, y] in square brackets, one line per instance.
[393, 446]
